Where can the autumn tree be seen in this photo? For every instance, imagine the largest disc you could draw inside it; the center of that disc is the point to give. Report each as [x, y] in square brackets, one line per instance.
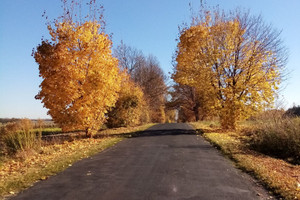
[189, 101]
[129, 57]
[80, 76]
[171, 115]
[151, 78]
[234, 59]
[147, 74]
[131, 108]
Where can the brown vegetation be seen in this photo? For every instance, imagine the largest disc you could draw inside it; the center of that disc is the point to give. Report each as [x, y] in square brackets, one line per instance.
[279, 176]
[147, 74]
[20, 168]
[278, 137]
[188, 102]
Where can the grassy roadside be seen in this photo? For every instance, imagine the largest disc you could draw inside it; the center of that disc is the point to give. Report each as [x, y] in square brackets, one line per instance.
[28, 167]
[280, 177]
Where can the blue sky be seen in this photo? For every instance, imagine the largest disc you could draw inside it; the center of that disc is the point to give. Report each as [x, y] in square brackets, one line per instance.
[151, 26]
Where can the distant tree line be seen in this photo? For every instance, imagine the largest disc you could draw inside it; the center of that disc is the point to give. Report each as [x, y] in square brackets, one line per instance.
[294, 111]
[148, 75]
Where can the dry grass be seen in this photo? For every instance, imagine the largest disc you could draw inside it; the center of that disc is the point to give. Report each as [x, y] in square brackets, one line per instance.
[30, 166]
[19, 136]
[27, 167]
[279, 137]
[279, 176]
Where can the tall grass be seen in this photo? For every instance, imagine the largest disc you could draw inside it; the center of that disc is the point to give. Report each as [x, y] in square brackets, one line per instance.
[22, 140]
[279, 137]
[19, 136]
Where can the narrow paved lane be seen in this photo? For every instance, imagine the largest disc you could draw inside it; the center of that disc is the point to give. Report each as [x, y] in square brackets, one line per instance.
[167, 162]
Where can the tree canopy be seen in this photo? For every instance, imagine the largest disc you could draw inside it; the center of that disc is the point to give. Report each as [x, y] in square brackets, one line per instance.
[80, 76]
[234, 60]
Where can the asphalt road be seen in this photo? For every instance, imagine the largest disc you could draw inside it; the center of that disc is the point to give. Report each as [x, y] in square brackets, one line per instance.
[168, 161]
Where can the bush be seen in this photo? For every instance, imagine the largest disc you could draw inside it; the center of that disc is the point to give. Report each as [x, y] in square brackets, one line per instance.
[19, 136]
[22, 140]
[170, 116]
[158, 114]
[131, 108]
[279, 137]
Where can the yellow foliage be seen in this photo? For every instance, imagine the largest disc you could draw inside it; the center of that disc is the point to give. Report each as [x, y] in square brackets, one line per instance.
[170, 116]
[235, 75]
[131, 108]
[158, 114]
[80, 77]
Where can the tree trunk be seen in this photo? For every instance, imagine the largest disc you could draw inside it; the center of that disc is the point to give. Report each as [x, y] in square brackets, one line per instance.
[228, 118]
[88, 133]
[196, 111]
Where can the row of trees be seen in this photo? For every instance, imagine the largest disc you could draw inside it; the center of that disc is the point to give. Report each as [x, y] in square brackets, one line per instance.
[227, 65]
[142, 97]
[146, 72]
[84, 85]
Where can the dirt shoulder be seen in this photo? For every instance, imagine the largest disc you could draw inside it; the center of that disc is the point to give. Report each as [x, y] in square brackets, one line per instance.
[26, 168]
[278, 176]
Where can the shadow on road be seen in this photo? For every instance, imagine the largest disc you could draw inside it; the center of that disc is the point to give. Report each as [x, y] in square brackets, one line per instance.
[157, 130]
[151, 133]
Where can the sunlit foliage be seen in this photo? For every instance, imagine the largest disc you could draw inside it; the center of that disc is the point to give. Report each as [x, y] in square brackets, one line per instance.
[146, 73]
[131, 108]
[80, 76]
[234, 61]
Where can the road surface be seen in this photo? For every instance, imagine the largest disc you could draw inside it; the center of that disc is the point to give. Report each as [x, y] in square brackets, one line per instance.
[167, 161]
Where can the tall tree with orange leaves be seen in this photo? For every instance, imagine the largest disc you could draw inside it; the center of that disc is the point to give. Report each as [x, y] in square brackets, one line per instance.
[234, 60]
[80, 76]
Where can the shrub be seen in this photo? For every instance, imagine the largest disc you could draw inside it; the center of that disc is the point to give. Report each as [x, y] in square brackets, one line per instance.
[22, 140]
[19, 136]
[158, 114]
[279, 137]
[131, 108]
[170, 116]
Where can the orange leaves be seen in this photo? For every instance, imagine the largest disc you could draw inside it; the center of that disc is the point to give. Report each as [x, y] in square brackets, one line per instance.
[130, 107]
[80, 77]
